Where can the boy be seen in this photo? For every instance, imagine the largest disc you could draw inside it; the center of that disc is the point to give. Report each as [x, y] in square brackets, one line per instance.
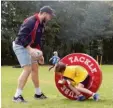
[55, 59]
[77, 78]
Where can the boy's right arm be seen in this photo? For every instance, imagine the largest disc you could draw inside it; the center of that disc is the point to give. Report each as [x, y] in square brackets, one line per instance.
[31, 51]
[34, 54]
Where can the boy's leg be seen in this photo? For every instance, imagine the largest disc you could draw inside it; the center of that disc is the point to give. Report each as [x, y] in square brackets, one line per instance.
[35, 75]
[74, 90]
[81, 88]
[82, 85]
[25, 62]
[22, 80]
[80, 97]
[35, 79]
[51, 67]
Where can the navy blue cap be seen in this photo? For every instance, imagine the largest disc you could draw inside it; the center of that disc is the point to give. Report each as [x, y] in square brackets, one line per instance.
[48, 10]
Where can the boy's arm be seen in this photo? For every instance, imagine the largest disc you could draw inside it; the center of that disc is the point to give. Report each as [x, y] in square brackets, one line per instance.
[50, 59]
[41, 60]
[69, 82]
[62, 81]
[32, 51]
[58, 59]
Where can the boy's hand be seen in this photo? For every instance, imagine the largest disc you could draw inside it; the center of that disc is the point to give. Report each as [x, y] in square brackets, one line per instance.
[69, 82]
[35, 53]
[62, 81]
[41, 60]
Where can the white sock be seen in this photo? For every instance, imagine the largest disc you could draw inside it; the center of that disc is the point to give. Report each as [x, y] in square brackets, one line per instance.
[18, 92]
[38, 91]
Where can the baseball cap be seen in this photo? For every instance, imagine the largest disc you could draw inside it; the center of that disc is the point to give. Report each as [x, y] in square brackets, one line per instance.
[48, 10]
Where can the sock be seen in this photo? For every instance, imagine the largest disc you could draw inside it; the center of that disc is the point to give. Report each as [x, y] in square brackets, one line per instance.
[18, 92]
[38, 91]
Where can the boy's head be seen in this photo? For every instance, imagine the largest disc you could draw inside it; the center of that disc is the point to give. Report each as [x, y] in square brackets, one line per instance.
[60, 68]
[55, 53]
[47, 13]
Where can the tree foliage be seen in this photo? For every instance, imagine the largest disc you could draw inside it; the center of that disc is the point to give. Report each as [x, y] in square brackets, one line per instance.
[79, 26]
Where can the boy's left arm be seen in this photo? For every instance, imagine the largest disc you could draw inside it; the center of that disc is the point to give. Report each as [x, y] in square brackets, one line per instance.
[50, 59]
[69, 82]
[41, 60]
[62, 81]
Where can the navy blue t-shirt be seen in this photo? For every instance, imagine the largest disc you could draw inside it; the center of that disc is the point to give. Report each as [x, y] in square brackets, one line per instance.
[24, 37]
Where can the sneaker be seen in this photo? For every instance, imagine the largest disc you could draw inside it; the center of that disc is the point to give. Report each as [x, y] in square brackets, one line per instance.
[96, 97]
[42, 96]
[19, 99]
[81, 98]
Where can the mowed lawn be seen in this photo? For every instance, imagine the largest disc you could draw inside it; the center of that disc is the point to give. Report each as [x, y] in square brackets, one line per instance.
[47, 84]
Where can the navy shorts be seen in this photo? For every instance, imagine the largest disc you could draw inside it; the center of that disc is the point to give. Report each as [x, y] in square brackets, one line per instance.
[86, 81]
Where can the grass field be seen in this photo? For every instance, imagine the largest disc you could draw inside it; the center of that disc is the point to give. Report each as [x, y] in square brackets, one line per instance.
[55, 99]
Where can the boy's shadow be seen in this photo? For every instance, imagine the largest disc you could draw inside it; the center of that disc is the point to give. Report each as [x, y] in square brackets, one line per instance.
[108, 101]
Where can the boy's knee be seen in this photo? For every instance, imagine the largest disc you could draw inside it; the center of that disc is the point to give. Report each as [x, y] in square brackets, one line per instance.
[20, 79]
[77, 88]
[81, 85]
[24, 75]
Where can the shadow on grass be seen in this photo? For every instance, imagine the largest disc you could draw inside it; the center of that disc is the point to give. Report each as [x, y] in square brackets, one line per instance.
[108, 101]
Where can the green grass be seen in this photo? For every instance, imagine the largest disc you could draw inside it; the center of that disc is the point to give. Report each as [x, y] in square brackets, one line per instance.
[47, 84]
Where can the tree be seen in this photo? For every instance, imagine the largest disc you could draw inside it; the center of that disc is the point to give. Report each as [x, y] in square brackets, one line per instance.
[79, 26]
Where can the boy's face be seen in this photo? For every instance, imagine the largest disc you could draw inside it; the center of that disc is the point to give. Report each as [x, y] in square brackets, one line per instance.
[60, 73]
[47, 17]
[55, 54]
